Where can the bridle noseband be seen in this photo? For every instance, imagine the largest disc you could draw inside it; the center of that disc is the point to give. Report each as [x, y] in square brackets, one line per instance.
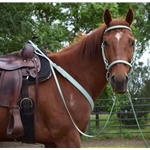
[108, 66]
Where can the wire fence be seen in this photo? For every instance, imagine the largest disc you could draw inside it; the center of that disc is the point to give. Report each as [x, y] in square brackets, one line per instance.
[122, 119]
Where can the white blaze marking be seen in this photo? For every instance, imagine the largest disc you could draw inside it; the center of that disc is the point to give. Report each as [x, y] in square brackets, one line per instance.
[118, 35]
[71, 100]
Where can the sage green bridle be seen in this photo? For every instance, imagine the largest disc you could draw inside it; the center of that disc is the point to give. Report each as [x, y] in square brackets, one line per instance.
[108, 66]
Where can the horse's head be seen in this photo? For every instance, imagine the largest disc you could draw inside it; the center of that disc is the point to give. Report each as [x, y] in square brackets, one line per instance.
[118, 50]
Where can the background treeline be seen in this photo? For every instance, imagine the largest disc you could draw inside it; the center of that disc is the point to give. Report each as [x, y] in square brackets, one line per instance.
[59, 23]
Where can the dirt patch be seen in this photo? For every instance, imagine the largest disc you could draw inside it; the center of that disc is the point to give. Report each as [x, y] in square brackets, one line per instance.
[19, 145]
[115, 143]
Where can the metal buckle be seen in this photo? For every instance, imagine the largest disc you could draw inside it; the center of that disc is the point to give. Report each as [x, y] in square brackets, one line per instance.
[26, 98]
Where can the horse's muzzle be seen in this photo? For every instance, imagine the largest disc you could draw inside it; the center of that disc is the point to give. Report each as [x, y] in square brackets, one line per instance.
[119, 85]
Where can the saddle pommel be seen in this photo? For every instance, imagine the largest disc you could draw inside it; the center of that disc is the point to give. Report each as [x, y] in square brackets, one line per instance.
[27, 52]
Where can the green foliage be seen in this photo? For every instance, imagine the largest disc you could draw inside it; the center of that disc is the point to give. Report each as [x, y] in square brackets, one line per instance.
[15, 27]
[127, 135]
[139, 88]
[126, 115]
[58, 23]
[107, 93]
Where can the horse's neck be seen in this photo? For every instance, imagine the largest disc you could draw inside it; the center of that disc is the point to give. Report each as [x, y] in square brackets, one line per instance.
[93, 75]
[90, 73]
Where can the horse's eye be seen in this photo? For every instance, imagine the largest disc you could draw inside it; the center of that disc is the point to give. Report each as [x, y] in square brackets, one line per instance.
[133, 43]
[105, 43]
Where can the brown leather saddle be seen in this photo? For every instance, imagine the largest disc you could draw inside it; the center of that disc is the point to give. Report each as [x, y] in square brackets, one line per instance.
[15, 67]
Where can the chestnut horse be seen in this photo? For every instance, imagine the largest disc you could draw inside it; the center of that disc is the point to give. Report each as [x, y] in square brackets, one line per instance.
[88, 63]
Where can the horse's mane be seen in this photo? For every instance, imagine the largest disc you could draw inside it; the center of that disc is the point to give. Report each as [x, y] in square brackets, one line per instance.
[87, 43]
[90, 44]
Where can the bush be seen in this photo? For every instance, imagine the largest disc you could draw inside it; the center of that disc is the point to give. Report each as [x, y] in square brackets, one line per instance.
[126, 115]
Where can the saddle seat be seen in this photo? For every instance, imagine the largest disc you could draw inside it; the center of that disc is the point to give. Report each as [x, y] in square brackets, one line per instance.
[14, 67]
[20, 59]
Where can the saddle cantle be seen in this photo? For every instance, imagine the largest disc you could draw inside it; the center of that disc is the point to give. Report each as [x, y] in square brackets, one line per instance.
[14, 68]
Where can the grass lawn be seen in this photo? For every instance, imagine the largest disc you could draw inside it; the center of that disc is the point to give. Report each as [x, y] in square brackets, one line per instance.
[113, 133]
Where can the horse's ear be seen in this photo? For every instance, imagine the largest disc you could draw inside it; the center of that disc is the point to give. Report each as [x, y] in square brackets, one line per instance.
[130, 16]
[107, 17]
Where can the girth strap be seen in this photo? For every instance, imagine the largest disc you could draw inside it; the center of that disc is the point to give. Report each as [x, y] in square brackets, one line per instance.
[27, 117]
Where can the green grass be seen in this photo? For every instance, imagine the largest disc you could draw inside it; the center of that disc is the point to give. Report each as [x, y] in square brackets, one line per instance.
[126, 138]
[114, 130]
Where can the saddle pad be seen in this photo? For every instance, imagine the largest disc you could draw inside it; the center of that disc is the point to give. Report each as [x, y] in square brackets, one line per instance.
[45, 71]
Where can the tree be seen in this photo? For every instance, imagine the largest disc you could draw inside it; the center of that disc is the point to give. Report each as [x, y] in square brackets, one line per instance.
[62, 22]
[16, 26]
[57, 24]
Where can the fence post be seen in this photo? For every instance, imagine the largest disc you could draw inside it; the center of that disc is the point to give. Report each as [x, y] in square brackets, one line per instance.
[120, 118]
[97, 116]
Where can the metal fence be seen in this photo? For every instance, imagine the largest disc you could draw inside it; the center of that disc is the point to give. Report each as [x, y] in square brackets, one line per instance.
[122, 119]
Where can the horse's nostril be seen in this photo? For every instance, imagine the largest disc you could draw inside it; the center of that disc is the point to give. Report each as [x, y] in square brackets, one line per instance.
[112, 79]
[126, 79]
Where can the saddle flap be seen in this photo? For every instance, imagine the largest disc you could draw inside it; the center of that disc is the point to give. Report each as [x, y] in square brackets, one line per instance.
[10, 86]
